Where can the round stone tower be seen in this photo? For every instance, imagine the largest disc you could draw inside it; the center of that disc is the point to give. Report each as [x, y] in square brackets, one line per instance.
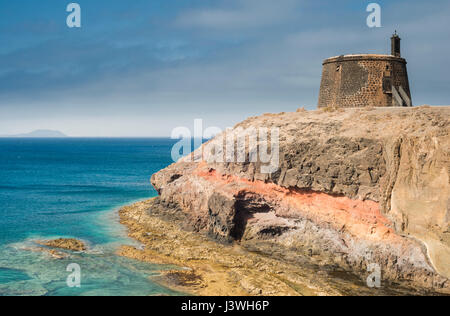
[366, 80]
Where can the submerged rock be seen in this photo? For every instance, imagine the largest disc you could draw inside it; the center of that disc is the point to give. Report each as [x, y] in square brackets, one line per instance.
[65, 243]
[59, 255]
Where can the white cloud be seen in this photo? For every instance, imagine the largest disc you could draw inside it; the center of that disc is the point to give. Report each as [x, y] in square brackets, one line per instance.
[239, 14]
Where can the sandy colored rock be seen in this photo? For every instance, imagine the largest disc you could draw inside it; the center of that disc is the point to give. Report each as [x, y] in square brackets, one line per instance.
[52, 253]
[210, 268]
[65, 243]
[354, 187]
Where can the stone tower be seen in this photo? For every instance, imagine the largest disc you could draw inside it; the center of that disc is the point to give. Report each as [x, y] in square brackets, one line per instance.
[366, 80]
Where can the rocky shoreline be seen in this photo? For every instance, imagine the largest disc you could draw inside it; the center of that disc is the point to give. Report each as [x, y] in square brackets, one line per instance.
[206, 267]
[354, 189]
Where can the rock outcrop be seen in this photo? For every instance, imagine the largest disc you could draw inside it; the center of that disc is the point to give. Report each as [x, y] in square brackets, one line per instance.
[65, 243]
[353, 188]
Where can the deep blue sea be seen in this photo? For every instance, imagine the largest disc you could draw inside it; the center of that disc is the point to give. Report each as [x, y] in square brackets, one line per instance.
[68, 187]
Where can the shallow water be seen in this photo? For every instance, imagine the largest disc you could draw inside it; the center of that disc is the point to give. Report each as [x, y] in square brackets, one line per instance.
[51, 188]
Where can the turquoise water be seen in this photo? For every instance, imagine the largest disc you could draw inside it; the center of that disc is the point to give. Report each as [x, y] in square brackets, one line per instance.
[52, 188]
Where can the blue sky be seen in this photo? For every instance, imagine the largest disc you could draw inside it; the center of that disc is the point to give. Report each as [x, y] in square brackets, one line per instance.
[142, 68]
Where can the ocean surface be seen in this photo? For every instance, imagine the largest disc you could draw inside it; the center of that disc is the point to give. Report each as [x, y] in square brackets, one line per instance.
[51, 188]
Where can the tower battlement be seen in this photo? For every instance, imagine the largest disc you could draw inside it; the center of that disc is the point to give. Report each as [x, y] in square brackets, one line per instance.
[366, 80]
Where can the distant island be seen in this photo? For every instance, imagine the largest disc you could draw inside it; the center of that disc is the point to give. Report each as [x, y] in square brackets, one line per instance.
[42, 133]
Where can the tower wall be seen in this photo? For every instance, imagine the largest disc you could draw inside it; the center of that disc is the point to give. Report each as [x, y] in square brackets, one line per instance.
[363, 80]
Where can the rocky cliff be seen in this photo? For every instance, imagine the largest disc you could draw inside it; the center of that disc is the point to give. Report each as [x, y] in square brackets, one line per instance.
[353, 188]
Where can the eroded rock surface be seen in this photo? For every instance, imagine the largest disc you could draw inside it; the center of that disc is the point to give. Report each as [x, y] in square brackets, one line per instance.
[210, 268]
[354, 187]
[65, 243]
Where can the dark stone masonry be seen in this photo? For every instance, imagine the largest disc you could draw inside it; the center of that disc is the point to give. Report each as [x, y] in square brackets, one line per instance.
[366, 80]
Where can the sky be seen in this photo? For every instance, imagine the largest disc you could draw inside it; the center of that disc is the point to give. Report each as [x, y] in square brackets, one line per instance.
[142, 68]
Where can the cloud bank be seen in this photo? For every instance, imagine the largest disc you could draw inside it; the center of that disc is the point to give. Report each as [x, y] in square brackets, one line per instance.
[142, 69]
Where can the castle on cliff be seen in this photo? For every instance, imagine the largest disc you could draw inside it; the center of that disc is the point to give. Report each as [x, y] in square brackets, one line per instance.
[366, 80]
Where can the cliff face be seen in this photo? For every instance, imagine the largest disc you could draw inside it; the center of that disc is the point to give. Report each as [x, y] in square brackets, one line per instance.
[354, 188]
